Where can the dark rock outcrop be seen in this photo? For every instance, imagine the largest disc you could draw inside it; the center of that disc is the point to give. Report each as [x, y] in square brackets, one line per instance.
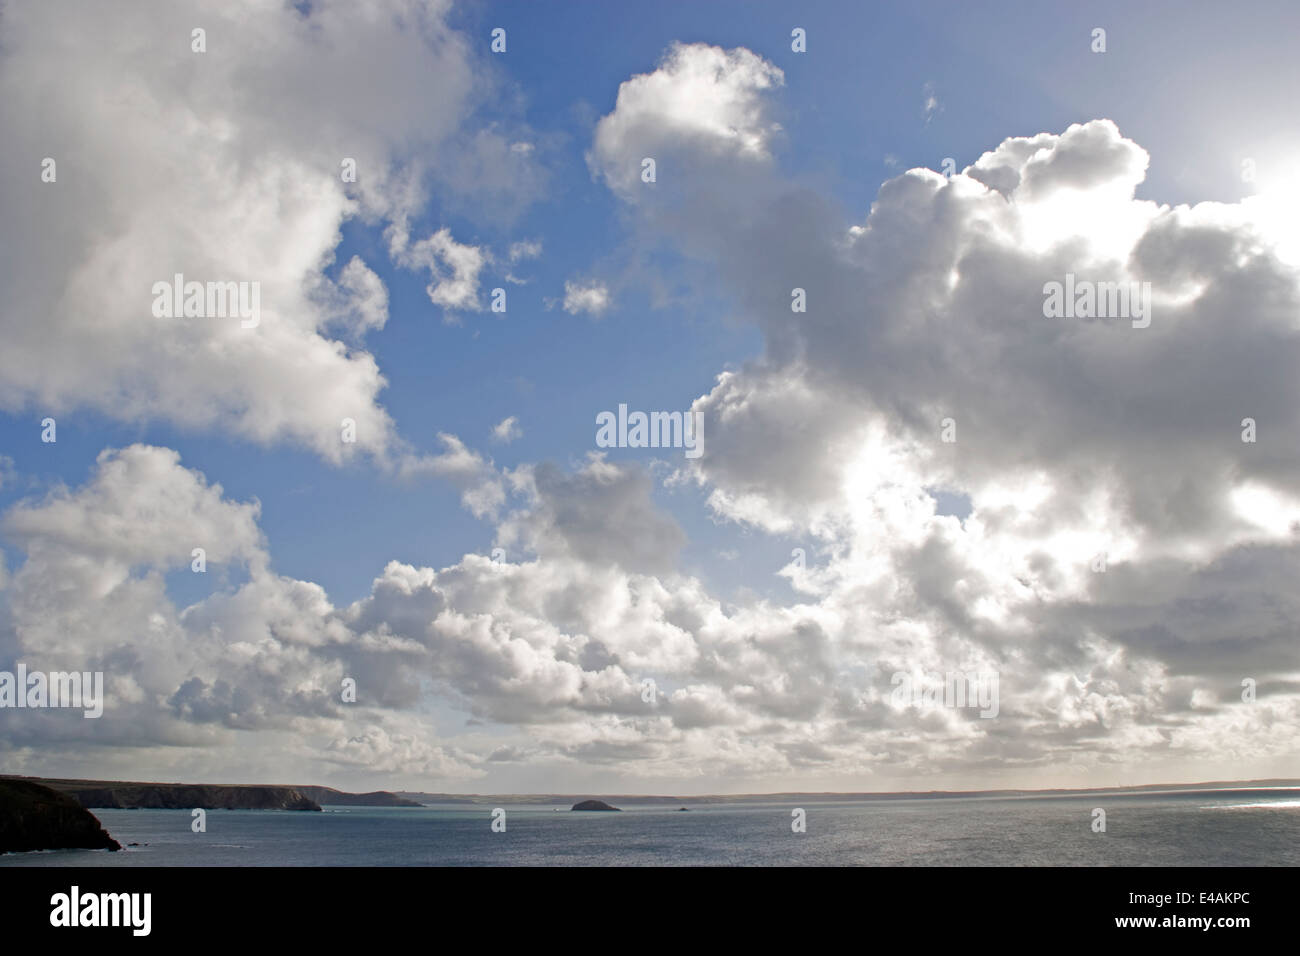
[33, 817]
[593, 805]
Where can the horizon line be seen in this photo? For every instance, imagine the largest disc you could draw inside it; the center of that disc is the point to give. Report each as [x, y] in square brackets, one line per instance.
[1280, 783]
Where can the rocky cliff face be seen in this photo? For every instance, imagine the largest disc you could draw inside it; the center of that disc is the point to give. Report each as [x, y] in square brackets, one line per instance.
[33, 817]
[376, 798]
[181, 796]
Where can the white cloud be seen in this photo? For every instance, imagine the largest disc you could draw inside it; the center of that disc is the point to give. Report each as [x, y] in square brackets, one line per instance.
[507, 430]
[930, 105]
[358, 301]
[454, 266]
[525, 249]
[701, 99]
[834, 435]
[1092, 436]
[590, 296]
[223, 165]
[482, 490]
[553, 647]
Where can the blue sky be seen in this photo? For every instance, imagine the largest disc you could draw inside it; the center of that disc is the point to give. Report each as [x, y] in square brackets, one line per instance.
[1198, 87]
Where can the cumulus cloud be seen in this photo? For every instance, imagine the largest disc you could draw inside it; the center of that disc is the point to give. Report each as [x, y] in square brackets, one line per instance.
[601, 514]
[379, 750]
[358, 301]
[591, 296]
[454, 266]
[560, 643]
[262, 657]
[482, 488]
[225, 165]
[945, 280]
[701, 99]
[589, 644]
[1093, 438]
[507, 430]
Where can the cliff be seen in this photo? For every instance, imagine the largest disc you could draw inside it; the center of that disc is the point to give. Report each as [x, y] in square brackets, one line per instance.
[376, 798]
[33, 817]
[127, 795]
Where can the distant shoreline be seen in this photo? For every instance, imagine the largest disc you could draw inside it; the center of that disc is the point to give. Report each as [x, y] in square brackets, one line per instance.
[141, 795]
[1189, 789]
[109, 794]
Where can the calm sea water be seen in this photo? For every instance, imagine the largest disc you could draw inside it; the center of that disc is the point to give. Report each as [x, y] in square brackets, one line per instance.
[1246, 829]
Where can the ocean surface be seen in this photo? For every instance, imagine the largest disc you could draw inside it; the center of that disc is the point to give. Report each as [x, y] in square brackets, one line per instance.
[1243, 828]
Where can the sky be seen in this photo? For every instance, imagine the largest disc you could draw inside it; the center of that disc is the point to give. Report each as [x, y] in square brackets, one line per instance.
[908, 472]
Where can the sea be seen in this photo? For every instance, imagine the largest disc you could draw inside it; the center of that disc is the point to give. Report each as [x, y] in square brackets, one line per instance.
[1257, 827]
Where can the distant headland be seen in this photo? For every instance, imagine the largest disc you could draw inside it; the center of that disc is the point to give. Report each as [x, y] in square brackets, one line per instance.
[37, 813]
[133, 795]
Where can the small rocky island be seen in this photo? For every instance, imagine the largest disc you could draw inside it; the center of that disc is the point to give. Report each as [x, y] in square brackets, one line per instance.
[33, 817]
[593, 805]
